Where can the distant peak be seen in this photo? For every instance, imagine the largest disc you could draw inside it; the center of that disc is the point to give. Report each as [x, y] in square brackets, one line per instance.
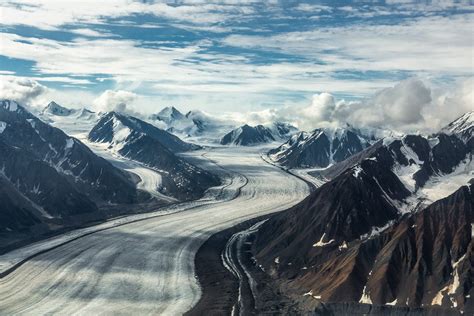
[170, 113]
[56, 109]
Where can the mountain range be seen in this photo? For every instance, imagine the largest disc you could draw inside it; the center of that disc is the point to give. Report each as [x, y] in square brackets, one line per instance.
[192, 124]
[391, 226]
[320, 148]
[247, 135]
[50, 178]
[140, 141]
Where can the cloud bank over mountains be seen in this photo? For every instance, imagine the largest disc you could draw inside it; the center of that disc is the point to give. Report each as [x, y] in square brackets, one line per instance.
[409, 106]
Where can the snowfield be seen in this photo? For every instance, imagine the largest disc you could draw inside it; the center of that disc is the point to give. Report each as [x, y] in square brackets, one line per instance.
[145, 263]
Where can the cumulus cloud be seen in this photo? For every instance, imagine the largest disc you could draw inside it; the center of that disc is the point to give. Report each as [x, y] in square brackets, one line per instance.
[399, 107]
[322, 108]
[253, 118]
[23, 90]
[114, 100]
[409, 106]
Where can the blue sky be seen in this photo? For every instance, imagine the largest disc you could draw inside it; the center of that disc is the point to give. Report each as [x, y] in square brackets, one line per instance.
[229, 55]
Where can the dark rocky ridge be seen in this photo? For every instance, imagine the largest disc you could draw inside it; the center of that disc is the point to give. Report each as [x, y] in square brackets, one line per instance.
[248, 135]
[319, 148]
[462, 127]
[50, 180]
[103, 131]
[147, 144]
[410, 263]
[66, 155]
[330, 244]
[339, 211]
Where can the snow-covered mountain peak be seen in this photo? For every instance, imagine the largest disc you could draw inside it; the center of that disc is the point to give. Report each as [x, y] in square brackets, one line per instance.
[319, 148]
[282, 130]
[169, 114]
[462, 127]
[247, 135]
[56, 109]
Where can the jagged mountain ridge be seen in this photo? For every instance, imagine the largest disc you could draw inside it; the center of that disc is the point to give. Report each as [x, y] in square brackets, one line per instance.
[63, 153]
[248, 135]
[137, 140]
[307, 246]
[320, 148]
[192, 124]
[114, 127]
[54, 177]
[421, 260]
[463, 127]
[209, 128]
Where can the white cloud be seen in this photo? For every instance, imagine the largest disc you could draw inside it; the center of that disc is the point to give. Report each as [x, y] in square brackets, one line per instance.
[89, 32]
[114, 100]
[312, 8]
[69, 80]
[404, 102]
[51, 14]
[321, 109]
[21, 90]
[409, 106]
[427, 44]
[193, 77]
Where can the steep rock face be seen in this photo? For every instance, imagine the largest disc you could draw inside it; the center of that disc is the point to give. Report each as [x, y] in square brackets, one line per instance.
[89, 173]
[319, 148]
[382, 182]
[417, 160]
[248, 135]
[43, 184]
[423, 260]
[50, 180]
[142, 142]
[427, 259]
[17, 212]
[442, 158]
[340, 211]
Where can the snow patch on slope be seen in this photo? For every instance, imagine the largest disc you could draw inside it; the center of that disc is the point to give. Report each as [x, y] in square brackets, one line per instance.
[11, 106]
[441, 186]
[365, 298]
[321, 242]
[69, 143]
[3, 125]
